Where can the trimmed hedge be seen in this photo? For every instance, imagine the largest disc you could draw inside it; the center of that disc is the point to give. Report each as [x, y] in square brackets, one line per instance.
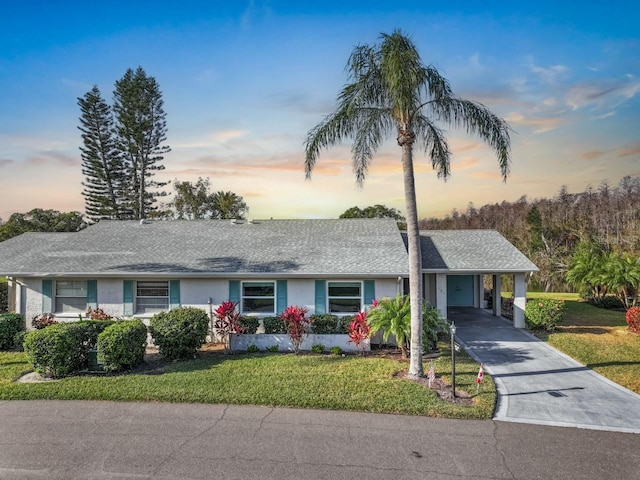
[544, 314]
[4, 297]
[49, 350]
[344, 324]
[273, 325]
[10, 325]
[179, 332]
[121, 346]
[63, 348]
[325, 323]
[248, 324]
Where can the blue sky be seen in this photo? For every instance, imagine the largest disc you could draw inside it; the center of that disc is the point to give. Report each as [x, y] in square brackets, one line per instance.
[244, 81]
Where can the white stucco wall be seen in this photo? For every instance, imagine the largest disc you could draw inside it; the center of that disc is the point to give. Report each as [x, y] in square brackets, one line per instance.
[193, 293]
[110, 294]
[33, 302]
[197, 292]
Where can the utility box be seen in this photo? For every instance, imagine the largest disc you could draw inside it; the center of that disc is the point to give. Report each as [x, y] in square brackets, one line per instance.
[94, 365]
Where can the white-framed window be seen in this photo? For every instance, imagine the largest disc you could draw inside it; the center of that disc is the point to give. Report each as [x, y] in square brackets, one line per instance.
[152, 296]
[70, 296]
[344, 297]
[258, 297]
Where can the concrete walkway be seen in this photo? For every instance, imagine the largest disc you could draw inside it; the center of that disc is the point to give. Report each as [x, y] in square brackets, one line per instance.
[537, 383]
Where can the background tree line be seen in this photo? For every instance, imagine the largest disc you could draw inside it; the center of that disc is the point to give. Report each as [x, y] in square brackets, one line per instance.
[549, 230]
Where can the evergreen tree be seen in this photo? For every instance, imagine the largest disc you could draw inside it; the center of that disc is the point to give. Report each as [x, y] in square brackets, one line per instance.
[101, 162]
[141, 131]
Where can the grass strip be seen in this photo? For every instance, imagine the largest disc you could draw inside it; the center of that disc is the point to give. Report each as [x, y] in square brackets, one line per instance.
[597, 338]
[369, 384]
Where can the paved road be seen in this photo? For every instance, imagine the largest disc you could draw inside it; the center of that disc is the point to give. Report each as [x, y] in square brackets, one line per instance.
[538, 384]
[65, 440]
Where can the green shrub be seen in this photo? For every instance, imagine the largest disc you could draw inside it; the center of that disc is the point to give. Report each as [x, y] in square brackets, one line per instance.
[84, 335]
[608, 302]
[318, 348]
[121, 345]
[253, 348]
[50, 350]
[433, 323]
[18, 340]
[344, 324]
[62, 348]
[274, 325]
[10, 325]
[544, 314]
[335, 350]
[4, 297]
[325, 323]
[179, 332]
[273, 349]
[248, 324]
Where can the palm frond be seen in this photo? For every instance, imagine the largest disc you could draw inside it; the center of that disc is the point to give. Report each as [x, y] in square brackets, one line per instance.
[331, 131]
[434, 142]
[478, 120]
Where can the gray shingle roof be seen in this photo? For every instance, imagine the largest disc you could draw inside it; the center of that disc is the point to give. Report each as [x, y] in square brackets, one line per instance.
[471, 251]
[364, 247]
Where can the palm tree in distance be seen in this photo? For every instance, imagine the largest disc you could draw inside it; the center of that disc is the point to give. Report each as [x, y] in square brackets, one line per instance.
[393, 93]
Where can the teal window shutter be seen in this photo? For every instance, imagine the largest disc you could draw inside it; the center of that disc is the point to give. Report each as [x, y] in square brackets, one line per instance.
[234, 291]
[127, 297]
[369, 291]
[281, 291]
[321, 297]
[92, 293]
[174, 293]
[47, 293]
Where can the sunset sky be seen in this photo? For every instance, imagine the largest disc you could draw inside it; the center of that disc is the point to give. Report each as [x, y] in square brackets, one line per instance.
[244, 81]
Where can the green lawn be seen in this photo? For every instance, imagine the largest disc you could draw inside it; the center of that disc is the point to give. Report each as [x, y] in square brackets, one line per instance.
[307, 381]
[597, 338]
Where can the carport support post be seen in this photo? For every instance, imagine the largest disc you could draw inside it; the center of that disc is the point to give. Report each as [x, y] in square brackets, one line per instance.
[519, 299]
[441, 293]
[497, 298]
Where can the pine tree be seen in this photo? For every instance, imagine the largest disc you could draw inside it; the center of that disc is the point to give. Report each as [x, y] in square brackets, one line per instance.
[141, 130]
[101, 162]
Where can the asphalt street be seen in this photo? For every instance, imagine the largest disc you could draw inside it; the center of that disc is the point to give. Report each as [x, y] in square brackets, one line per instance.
[66, 440]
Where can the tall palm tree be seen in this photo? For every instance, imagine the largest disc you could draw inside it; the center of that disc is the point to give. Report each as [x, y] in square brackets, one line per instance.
[393, 93]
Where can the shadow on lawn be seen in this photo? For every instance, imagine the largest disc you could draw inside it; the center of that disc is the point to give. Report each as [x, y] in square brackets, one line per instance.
[611, 364]
[156, 364]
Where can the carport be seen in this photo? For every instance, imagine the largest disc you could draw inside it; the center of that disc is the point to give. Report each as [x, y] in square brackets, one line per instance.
[455, 264]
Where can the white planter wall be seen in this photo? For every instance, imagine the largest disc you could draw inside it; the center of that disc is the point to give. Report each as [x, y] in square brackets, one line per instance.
[266, 340]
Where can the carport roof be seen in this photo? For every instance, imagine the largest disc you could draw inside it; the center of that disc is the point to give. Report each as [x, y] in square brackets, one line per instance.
[471, 251]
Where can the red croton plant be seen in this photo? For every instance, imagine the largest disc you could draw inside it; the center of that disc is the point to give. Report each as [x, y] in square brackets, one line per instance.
[633, 319]
[226, 321]
[296, 322]
[359, 331]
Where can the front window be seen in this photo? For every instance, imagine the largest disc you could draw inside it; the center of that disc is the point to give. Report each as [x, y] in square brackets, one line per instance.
[152, 296]
[71, 296]
[258, 297]
[344, 297]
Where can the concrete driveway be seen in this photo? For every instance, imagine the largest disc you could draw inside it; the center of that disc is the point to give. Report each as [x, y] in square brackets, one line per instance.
[537, 383]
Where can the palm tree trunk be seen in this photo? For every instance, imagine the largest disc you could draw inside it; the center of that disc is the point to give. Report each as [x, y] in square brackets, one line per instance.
[416, 368]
